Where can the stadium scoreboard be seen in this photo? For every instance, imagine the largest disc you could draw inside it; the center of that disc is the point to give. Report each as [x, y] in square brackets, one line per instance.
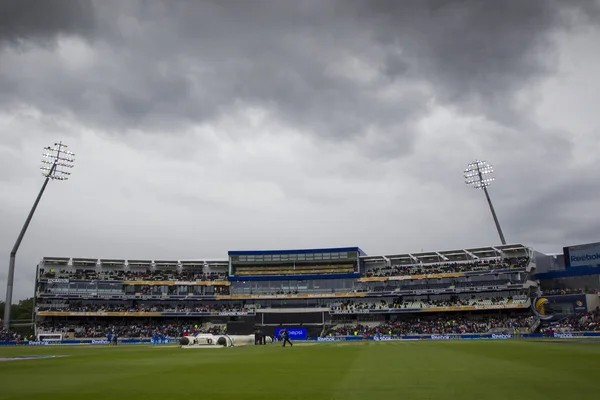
[329, 256]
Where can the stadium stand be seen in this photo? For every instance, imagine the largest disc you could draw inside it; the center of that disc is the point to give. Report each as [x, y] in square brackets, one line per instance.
[317, 288]
[586, 322]
[445, 325]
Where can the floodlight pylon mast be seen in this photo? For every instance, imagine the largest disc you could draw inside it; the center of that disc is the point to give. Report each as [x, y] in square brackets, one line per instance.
[493, 211]
[474, 176]
[56, 157]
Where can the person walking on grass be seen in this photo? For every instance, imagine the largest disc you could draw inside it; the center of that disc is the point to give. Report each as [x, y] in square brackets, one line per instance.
[286, 337]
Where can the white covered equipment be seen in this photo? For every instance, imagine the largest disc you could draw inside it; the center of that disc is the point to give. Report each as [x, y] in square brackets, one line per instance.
[207, 340]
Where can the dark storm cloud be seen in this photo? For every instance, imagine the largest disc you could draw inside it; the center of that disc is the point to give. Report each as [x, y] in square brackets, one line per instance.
[42, 21]
[161, 66]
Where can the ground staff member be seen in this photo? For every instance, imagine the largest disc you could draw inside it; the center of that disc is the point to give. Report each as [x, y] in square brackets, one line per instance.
[286, 337]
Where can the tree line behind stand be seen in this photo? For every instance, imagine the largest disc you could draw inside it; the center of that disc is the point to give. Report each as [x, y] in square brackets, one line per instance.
[20, 313]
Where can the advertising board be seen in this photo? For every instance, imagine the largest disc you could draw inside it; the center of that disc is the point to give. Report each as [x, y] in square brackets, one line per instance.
[559, 306]
[295, 333]
[583, 255]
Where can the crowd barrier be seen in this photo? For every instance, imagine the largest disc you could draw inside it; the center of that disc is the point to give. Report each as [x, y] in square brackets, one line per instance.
[86, 342]
[470, 336]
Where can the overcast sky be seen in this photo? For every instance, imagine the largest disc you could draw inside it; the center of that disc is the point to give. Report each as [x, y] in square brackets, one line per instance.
[202, 127]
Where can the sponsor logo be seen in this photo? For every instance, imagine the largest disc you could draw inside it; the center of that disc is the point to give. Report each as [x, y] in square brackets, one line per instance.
[440, 337]
[295, 333]
[98, 313]
[584, 258]
[58, 281]
[505, 336]
[383, 338]
[539, 308]
[327, 339]
[583, 255]
[99, 341]
[232, 313]
[564, 335]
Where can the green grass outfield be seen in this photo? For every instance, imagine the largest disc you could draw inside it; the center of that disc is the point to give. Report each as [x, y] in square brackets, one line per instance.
[503, 369]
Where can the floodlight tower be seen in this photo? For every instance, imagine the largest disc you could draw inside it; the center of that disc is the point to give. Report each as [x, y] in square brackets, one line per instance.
[479, 175]
[56, 161]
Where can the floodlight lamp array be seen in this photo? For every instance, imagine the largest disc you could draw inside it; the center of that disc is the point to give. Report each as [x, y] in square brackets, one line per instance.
[56, 160]
[478, 174]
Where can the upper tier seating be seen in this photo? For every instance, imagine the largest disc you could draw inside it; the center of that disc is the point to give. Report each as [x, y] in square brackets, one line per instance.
[420, 304]
[445, 268]
[135, 275]
[294, 270]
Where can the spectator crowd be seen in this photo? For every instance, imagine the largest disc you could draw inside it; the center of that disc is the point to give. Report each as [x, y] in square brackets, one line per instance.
[588, 322]
[449, 267]
[81, 307]
[436, 326]
[564, 291]
[133, 275]
[398, 302]
[128, 328]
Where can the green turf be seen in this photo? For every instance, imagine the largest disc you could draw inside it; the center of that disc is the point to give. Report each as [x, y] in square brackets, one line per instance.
[388, 370]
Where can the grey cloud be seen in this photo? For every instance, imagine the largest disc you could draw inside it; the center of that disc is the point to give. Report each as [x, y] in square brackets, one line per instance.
[356, 78]
[162, 66]
[565, 204]
[477, 54]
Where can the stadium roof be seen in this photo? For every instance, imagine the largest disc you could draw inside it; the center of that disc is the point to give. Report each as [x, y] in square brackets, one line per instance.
[140, 263]
[166, 262]
[112, 263]
[209, 263]
[509, 250]
[56, 260]
[450, 255]
[84, 261]
[299, 251]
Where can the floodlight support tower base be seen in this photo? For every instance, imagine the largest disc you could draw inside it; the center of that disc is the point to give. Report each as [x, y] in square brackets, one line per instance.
[489, 200]
[13, 253]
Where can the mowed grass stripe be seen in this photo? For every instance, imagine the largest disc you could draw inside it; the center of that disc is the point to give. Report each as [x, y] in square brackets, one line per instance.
[549, 368]
[414, 370]
[245, 372]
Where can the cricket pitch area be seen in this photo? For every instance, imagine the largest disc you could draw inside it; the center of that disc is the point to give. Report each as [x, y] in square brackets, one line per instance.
[482, 369]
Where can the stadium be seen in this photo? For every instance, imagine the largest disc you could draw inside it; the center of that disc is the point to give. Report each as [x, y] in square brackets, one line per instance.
[324, 294]
[347, 314]
[433, 324]
[263, 200]
[318, 294]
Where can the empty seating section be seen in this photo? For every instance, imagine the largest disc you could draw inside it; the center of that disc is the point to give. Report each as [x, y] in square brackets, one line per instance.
[446, 268]
[294, 270]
